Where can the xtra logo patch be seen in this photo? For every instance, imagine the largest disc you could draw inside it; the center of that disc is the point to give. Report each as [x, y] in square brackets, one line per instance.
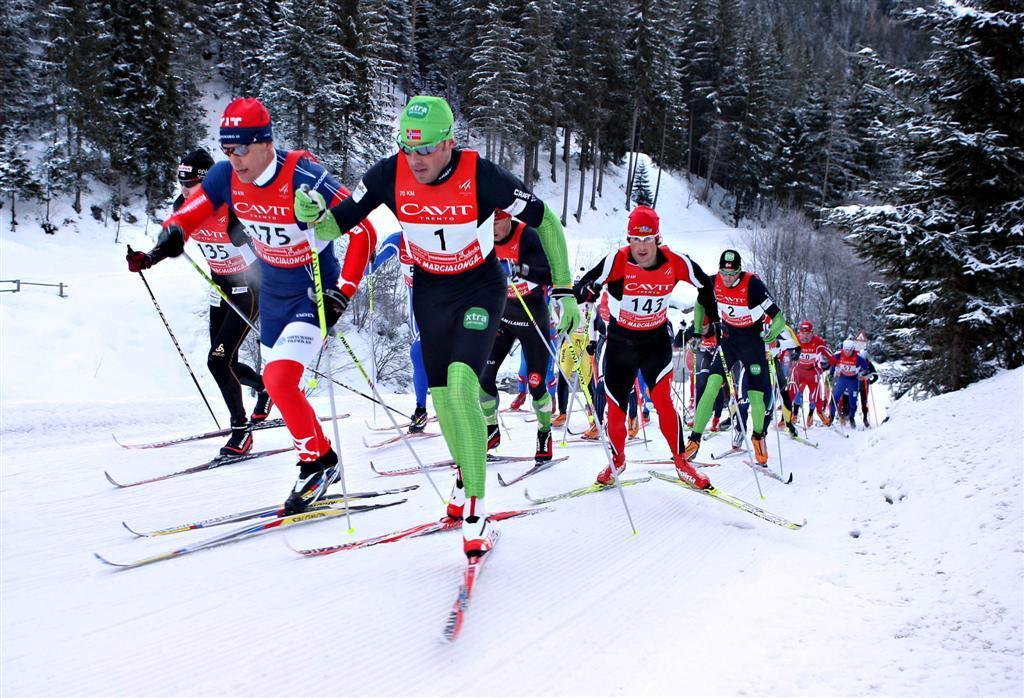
[417, 111]
[476, 319]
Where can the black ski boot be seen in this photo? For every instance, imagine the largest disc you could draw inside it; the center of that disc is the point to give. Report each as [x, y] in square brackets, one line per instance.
[240, 441]
[314, 479]
[263, 406]
[543, 445]
[419, 420]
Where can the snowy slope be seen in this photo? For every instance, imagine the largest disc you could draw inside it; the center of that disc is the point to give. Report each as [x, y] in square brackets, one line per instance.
[704, 601]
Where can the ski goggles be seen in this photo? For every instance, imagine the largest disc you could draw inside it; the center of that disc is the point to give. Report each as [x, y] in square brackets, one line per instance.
[641, 238]
[730, 272]
[425, 149]
[188, 184]
[240, 150]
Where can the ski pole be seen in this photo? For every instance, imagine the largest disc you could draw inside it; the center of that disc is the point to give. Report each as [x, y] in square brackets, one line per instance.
[735, 400]
[776, 396]
[318, 284]
[253, 327]
[176, 345]
[578, 368]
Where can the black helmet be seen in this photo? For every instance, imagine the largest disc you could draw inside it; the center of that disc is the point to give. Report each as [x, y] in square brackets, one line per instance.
[730, 261]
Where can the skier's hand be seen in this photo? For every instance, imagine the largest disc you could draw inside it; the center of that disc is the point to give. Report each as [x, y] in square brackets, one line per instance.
[694, 344]
[871, 377]
[570, 310]
[137, 261]
[310, 206]
[335, 303]
[588, 292]
[591, 348]
[171, 241]
[512, 269]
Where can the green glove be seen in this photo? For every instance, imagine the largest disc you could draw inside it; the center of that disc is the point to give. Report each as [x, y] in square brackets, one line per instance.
[310, 207]
[570, 312]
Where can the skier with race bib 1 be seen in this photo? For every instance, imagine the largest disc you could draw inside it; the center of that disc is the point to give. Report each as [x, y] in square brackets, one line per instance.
[445, 198]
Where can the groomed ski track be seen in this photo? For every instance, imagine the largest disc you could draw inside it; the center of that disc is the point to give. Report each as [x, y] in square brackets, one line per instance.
[573, 605]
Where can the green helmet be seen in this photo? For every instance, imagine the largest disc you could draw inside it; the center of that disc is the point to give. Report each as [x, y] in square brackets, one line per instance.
[425, 120]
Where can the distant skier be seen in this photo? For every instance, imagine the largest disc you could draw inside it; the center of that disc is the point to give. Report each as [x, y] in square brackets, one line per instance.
[848, 367]
[228, 252]
[445, 198]
[640, 279]
[742, 300]
[259, 183]
[812, 358]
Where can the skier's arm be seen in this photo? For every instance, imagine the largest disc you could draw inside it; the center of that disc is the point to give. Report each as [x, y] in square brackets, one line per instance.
[344, 213]
[533, 263]
[777, 325]
[388, 250]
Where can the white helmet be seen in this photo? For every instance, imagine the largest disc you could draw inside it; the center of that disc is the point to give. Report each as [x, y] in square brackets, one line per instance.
[848, 346]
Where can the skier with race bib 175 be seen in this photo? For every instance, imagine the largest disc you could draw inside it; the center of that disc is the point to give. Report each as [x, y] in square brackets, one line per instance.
[445, 198]
[258, 183]
[640, 278]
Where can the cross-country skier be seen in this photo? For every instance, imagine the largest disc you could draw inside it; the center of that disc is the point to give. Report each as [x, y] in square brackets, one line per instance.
[580, 338]
[227, 250]
[742, 300]
[640, 278]
[259, 183]
[394, 248]
[812, 358]
[445, 198]
[519, 249]
[850, 367]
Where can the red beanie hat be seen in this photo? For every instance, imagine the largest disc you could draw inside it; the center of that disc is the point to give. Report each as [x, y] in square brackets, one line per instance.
[643, 222]
[245, 121]
[501, 214]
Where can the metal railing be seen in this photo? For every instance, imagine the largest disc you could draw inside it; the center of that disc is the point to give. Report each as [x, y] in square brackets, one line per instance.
[18, 283]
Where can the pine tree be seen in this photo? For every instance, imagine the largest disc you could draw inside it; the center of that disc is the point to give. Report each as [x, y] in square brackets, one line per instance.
[245, 32]
[642, 195]
[947, 236]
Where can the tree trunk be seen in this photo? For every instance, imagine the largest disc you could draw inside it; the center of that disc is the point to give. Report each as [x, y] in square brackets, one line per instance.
[596, 157]
[528, 165]
[14, 218]
[828, 162]
[554, 144]
[632, 142]
[565, 156]
[661, 159]
[583, 178]
[711, 167]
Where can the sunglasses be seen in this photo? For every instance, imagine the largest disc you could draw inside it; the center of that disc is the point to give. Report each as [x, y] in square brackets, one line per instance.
[188, 184]
[729, 272]
[239, 150]
[640, 238]
[425, 149]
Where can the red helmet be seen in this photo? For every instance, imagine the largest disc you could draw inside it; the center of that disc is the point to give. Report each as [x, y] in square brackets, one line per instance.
[806, 326]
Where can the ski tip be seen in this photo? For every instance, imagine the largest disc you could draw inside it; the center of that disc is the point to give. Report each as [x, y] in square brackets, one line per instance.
[112, 481]
[789, 480]
[105, 561]
[132, 531]
[501, 481]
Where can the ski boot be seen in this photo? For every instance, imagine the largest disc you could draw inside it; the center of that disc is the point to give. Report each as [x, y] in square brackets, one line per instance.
[543, 445]
[825, 419]
[634, 427]
[714, 424]
[690, 475]
[518, 402]
[263, 406]
[419, 420]
[760, 449]
[315, 477]
[692, 446]
[559, 420]
[792, 427]
[605, 477]
[240, 441]
[591, 434]
[493, 436]
[476, 532]
[457, 499]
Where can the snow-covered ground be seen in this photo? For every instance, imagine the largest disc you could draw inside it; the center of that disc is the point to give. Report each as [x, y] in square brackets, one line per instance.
[907, 580]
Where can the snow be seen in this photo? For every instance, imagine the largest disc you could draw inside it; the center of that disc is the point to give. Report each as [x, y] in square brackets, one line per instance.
[907, 579]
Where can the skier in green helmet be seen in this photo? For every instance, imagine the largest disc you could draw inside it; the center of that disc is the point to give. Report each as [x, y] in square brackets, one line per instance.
[445, 198]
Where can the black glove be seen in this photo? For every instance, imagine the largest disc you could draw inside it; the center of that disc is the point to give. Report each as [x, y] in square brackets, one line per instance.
[588, 292]
[591, 348]
[872, 377]
[138, 261]
[169, 243]
[335, 303]
[717, 330]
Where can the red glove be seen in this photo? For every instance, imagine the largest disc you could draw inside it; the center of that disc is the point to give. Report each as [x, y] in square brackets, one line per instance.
[137, 261]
